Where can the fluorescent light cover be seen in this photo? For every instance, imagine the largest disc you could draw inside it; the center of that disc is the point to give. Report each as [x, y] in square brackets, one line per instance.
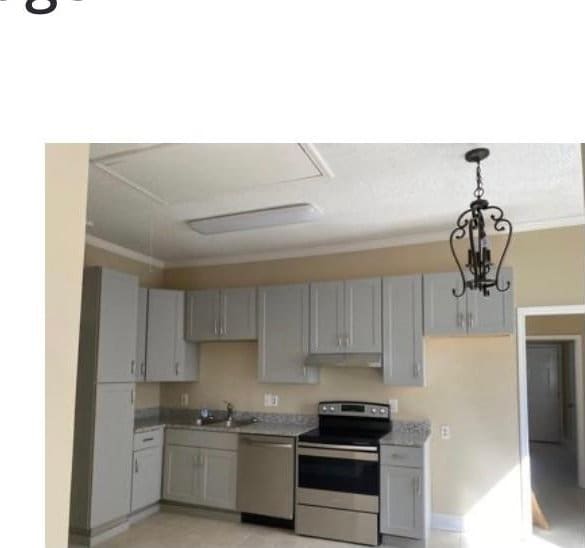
[258, 218]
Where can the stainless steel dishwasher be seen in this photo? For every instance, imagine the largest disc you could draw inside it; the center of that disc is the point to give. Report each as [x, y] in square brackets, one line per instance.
[266, 469]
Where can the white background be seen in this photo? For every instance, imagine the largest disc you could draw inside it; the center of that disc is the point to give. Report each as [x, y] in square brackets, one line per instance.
[186, 70]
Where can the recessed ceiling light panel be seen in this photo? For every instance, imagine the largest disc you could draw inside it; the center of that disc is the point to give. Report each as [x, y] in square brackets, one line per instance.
[257, 218]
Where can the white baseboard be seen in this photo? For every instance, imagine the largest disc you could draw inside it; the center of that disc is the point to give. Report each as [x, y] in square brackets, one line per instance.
[447, 522]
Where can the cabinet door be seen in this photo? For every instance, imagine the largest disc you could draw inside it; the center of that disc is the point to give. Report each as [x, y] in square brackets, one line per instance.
[493, 314]
[162, 335]
[202, 315]
[219, 478]
[117, 327]
[186, 366]
[363, 315]
[112, 453]
[183, 474]
[283, 334]
[141, 335]
[146, 481]
[327, 317]
[238, 313]
[403, 324]
[444, 314]
[401, 501]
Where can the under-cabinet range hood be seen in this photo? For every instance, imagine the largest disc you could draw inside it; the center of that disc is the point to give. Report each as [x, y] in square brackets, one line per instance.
[371, 359]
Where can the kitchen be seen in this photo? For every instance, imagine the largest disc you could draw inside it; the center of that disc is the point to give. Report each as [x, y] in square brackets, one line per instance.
[362, 350]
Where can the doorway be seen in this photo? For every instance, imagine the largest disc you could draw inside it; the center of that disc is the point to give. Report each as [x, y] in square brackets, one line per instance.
[552, 419]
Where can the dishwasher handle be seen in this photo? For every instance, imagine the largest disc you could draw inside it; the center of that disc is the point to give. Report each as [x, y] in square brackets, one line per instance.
[268, 444]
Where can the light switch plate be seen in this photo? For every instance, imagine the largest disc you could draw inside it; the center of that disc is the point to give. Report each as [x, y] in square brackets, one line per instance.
[393, 406]
[270, 400]
[445, 432]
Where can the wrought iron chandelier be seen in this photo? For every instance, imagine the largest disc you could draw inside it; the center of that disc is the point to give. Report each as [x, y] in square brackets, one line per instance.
[471, 223]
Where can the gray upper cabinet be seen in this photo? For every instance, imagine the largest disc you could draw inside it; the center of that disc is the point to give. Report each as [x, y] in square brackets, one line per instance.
[117, 294]
[202, 315]
[283, 334]
[226, 314]
[346, 316]
[493, 314]
[472, 313]
[443, 312]
[140, 368]
[169, 357]
[327, 317]
[237, 313]
[402, 310]
[112, 453]
[363, 316]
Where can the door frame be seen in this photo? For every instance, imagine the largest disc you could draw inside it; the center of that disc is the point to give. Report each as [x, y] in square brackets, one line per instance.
[525, 481]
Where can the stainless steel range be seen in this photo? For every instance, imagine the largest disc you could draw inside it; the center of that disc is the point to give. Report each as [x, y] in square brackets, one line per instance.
[338, 476]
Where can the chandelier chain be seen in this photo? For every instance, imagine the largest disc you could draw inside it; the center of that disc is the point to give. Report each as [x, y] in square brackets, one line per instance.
[478, 192]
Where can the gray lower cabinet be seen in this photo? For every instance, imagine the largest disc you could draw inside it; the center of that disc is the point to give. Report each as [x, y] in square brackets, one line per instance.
[402, 311]
[346, 316]
[141, 334]
[201, 468]
[112, 450]
[283, 334]
[147, 469]
[221, 314]
[168, 356]
[471, 314]
[405, 491]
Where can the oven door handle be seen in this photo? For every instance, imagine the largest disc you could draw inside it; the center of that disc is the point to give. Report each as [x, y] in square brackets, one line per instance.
[318, 451]
[354, 448]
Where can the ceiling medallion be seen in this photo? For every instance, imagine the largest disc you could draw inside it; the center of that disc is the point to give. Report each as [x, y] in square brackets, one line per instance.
[472, 223]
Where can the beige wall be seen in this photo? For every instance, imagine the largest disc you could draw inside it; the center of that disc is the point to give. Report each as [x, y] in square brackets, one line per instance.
[472, 381]
[65, 201]
[147, 394]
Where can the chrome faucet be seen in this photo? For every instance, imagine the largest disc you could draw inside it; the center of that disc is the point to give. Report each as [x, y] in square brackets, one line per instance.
[230, 410]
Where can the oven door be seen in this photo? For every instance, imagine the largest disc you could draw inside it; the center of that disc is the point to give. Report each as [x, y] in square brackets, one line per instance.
[338, 477]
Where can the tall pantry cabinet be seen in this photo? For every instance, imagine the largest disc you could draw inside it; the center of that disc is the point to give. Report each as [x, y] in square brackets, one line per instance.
[104, 409]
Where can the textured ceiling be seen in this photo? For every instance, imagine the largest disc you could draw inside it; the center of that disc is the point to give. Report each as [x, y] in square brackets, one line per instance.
[368, 193]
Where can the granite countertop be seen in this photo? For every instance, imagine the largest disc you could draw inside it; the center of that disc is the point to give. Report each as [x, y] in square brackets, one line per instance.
[406, 438]
[265, 428]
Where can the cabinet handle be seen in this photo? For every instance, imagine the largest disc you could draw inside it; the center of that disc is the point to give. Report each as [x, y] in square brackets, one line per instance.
[338, 342]
[417, 484]
[416, 369]
[132, 396]
[136, 466]
[460, 319]
[142, 369]
[132, 366]
[221, 329]
[304, 371]
[215, 328]
[470, 319]
[177, 368]
[147, 439]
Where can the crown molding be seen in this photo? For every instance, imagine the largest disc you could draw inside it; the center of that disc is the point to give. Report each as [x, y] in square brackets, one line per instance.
[414, 239]
[422, 238]
[123, 251]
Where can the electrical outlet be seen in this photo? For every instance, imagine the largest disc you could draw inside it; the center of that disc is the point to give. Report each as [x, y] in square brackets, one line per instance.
[184, 399]
[270, 400]
[393, 406]
[445, 432]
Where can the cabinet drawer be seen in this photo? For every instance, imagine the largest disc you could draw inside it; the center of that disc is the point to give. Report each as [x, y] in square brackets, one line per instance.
[212, 440]
[402, 456]
[144, 440]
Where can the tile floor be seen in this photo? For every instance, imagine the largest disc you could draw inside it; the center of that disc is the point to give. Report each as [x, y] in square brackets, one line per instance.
[554, 481]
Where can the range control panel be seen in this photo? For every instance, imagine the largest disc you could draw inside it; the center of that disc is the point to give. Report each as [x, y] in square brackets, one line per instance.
[354, 409]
